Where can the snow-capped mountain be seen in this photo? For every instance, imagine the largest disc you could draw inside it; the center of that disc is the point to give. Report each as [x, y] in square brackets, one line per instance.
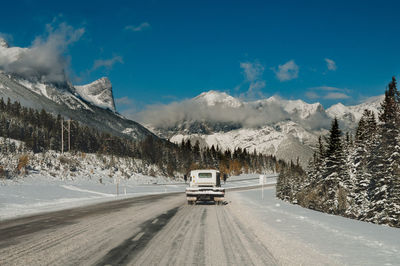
[295, 107]
[98, 93]
[350, 115]
[285, 128]
[212, 98]
[61, 99]
[91, 104]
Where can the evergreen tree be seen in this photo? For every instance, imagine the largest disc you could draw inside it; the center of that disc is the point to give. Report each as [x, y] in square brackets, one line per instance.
[385, 160]
[364, 139]
[335, 172]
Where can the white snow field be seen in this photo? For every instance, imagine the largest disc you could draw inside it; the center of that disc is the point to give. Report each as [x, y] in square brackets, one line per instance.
[37, 193]
[341, 240]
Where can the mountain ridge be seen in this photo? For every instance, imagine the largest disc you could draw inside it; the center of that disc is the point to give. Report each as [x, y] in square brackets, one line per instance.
[62, 99]
[294, 132]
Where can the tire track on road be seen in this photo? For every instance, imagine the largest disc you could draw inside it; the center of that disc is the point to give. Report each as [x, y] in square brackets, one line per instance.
[121, 254]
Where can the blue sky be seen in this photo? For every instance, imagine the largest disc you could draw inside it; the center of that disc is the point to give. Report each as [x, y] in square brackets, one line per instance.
[163, 51]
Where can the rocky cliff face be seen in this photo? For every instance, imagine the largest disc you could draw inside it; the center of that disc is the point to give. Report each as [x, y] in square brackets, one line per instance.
[98, 93]
[36, 86]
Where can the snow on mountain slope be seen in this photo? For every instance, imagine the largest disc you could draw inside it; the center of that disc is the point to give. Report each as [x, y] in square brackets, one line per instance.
[350, 115]
[98, 93]
[302, 109]
[61, 93]
[294, 107]
[212, 98]
[37, 80]
[286, 140]
[61, 99]
[285, 128]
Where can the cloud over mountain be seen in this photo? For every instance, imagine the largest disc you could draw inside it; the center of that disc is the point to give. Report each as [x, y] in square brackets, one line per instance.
[45, 59]
[219, 107]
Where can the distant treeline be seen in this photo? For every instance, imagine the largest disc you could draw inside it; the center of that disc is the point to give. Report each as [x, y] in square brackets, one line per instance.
[40, 131]
[357, 178]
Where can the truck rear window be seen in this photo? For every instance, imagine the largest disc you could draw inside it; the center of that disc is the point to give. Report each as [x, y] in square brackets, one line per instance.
[205, 175]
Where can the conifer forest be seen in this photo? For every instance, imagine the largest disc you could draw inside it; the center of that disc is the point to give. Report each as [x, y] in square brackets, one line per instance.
[40, 132]
[356, 177]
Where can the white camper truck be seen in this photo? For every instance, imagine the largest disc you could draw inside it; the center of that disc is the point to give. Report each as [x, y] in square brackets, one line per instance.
[205, 185]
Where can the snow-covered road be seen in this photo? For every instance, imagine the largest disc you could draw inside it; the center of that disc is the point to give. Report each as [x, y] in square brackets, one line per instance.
[292, 234]
[163, 229]
[37, 194]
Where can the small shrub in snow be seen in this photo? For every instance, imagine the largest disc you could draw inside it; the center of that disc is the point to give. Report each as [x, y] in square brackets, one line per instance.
[64, 160]
[2, 172]
[23, 163]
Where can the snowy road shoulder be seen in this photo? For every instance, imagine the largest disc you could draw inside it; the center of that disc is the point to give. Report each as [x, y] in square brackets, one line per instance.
[37, 194]
[303, 236]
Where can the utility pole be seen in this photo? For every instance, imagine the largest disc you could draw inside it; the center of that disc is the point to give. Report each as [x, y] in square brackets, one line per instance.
[68, 129]
[62, 136]
[69, 135]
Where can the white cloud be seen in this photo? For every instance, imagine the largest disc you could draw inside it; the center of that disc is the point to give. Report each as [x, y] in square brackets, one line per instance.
[312, 95]
[287, 71]
[336, 96]
[328, 88]
[188, 110]
[247, 115]
[330, 64]
[253, 72]
[123, 101]
[45, 59]
[141, 27]
[327, 92]
[107, 63]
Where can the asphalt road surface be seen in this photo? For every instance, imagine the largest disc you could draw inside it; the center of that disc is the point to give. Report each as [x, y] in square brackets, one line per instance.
[150, 230]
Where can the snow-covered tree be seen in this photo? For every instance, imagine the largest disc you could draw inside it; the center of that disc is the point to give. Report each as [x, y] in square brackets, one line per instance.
[360, 177]
[335, 172]
[384, 163]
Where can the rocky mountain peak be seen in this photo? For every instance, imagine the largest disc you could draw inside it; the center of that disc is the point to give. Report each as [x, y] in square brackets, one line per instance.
[212, 98]
[98, 93]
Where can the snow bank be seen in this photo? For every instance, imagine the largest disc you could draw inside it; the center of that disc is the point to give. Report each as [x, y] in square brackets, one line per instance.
[339, 239]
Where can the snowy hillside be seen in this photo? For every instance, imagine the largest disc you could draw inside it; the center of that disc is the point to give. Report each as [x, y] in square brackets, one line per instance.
[289, 141]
